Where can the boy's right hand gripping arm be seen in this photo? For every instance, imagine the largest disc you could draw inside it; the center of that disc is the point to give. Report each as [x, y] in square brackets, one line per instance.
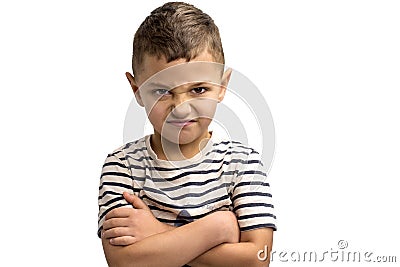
[178, 246]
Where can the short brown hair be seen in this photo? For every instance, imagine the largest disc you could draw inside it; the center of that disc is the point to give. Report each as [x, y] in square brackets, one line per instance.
[176, 30]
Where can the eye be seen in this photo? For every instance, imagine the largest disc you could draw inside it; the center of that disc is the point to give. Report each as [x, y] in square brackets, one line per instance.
[199, 90]
[161, 92]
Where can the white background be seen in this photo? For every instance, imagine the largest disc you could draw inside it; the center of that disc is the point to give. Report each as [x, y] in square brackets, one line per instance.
[329, 71]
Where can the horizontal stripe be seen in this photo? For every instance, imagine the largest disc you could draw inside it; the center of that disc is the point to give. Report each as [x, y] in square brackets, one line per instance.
[217, 151]
[113, 163]
[188, 195]
[184, 174]
[164, 169]
[251, 194]
[108, 193]
[188, 206]
[122, 174]
[136, 150]
[252, 205]
[258, 226]
[140, 159]
[131, 144]
[250, 216]
[112, 201]
[226, 152]
[191, 184]
[116, 184]
[114, 154]
[252, 172]
[250, 183]
[164, 180]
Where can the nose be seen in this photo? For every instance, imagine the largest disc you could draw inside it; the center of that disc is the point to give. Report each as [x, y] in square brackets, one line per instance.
[181, 108]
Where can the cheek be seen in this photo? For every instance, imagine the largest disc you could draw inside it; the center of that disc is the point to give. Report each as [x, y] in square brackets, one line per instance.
[204, 122]
[206, 108]
[156, 114]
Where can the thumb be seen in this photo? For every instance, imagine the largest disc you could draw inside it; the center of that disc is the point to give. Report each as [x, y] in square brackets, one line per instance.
[135, 201]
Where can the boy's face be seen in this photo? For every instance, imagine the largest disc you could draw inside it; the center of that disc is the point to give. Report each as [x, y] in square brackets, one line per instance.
[180, 97]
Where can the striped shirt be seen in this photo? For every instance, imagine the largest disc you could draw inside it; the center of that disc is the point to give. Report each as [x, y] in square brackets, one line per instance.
[224, 175]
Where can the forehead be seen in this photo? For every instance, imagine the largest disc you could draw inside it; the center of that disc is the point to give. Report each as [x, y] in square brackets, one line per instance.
[157, 69]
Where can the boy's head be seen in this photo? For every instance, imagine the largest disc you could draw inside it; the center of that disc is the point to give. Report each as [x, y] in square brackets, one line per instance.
[179, 97]
[176, 30]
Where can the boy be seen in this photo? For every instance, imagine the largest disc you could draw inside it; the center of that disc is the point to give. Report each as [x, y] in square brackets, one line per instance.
[183, 195]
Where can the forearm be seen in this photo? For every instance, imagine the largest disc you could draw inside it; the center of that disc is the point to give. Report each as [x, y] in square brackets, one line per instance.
[171, 248]
[245, 253]
[239, 254]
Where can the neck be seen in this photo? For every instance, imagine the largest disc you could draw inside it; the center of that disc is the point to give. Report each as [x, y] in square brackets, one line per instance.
[167, 150]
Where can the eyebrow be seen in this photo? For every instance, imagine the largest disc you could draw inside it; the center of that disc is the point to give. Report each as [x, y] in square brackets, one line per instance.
[163, 86]
[157, 85]
[198, 84]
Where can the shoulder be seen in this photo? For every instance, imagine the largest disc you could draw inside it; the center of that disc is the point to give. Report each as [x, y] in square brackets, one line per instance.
[129, 148]
[236, 148]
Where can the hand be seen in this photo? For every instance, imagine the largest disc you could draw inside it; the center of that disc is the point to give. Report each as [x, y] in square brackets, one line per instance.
[231, 232]
[125, 226]
[234, 229]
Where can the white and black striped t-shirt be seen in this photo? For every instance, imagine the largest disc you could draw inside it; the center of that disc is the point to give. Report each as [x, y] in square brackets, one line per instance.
[224, 175]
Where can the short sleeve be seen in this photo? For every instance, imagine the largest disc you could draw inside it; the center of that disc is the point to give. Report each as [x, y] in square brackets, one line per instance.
[115, 179]
[251, 195]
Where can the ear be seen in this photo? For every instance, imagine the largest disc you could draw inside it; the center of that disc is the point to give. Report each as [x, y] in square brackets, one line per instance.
[224, 84]
[134, 87]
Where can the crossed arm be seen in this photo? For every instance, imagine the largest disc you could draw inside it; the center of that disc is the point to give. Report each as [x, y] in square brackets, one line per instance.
[134, 237]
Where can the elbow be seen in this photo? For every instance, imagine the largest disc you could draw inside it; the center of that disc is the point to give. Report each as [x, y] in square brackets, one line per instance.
[117, 256]
[114, 261]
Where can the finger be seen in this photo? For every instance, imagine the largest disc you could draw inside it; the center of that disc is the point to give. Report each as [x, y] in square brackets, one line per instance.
[119, 213]
[123, 241]
[115, 222]
[117, 232]
[135, 201]
[127, 76]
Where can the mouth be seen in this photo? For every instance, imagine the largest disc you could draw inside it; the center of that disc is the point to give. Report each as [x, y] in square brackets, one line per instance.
[181, 123]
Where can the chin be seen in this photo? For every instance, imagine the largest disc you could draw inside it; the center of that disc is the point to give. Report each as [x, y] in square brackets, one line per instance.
[186, 140]
[183, 139]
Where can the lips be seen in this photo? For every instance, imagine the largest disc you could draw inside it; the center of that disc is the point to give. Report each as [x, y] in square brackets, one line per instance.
[181, 123]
